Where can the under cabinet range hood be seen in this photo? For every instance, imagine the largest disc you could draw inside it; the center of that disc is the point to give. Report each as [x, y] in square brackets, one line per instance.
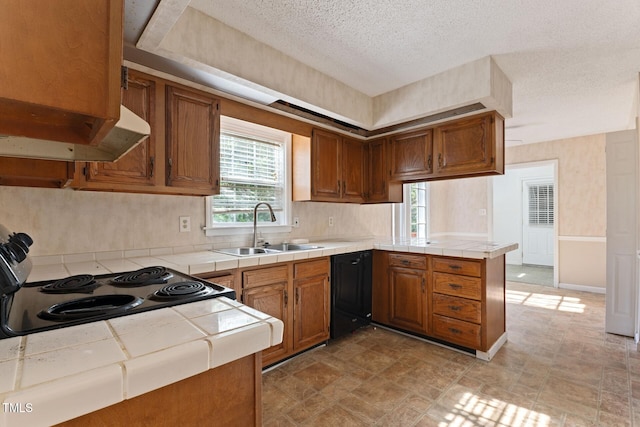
[125, 135]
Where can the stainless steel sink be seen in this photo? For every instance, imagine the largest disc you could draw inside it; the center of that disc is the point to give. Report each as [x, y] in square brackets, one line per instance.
[247, 251]
[284, 247]
[271, 249]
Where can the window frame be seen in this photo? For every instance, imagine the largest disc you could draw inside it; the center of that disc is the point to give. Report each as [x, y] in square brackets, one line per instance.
[402, 214]
[241, 127]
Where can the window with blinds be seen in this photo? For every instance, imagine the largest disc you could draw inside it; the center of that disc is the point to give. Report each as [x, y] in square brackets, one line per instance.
[541, 204]
[252, 170]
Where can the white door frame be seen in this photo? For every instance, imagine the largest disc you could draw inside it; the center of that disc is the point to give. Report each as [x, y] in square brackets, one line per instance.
[554, 163]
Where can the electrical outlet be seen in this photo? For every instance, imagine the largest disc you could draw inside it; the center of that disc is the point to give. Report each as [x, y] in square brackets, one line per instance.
[330, 221]
[482, 212]
[185, 224]
[296, 222]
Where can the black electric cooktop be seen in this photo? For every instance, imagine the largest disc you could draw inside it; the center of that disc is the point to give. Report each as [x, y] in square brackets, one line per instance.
[74, 300]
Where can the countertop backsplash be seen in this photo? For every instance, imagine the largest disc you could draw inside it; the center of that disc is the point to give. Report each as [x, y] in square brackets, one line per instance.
[70, 222]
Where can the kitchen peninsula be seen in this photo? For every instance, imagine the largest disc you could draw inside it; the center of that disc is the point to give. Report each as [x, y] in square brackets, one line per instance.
[105, 367]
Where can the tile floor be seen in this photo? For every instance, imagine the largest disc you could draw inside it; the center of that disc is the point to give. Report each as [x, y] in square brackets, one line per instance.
[535, 274]
[558, 368]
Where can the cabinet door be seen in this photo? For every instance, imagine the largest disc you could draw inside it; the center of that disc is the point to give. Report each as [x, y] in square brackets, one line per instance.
[325, 165]
[272, 300]
[411, 155]
[193, 145]
[408, 299]
[311, 311]
[352, 170]
[465, 146]
[379, 187]
[138, 165]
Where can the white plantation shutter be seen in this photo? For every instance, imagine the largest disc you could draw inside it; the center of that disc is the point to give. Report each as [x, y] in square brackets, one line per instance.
[541, 204]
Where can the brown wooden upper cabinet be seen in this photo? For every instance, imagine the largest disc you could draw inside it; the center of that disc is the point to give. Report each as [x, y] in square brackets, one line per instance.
[137, 167]
[412, 155]
[60, 69]
[379, 188]
[471, 146]
[328, 168]
[181, 155]
[193, 140]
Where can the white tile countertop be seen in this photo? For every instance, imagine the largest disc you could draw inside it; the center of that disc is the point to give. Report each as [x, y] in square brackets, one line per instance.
[203, 260]
[53, 376]
[102, 363]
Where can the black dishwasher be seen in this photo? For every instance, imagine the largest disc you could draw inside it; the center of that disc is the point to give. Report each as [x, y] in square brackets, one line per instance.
[350, 292]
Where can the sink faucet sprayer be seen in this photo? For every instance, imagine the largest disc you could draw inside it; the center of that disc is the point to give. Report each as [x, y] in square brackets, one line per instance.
[255, 217]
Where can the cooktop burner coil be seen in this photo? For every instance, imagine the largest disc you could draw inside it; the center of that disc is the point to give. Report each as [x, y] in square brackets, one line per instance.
[144, 276]
[88, 307]
[182, 290]
[84, 283]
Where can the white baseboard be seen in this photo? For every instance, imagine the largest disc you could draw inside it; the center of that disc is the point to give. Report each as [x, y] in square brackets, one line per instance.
[583, 288]
[488, 355]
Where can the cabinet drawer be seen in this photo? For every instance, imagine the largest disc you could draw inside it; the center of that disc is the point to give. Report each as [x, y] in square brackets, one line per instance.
[457, 266]
[264, 276]
[459, 308]
[409, 261]
[460, 286]
[457, 331]
[311, 268]
[227, 280]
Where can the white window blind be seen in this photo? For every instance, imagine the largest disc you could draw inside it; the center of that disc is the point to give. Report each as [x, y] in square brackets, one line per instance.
[252, 170]
[541, 204]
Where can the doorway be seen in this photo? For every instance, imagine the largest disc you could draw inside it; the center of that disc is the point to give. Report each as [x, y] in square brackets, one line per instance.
[524, 211]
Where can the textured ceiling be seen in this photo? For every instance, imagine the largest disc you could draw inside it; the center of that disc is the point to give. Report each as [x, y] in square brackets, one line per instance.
[573, 64]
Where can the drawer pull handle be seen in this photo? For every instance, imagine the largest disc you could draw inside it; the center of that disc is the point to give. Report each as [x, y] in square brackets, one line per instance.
[455, 331]
[455, 308]
[455, 286]
[405, 261]
[454, 267]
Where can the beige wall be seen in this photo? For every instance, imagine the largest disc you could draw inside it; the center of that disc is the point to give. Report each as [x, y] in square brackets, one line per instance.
[455, 205]
[581, 205]
[582, 196]
[67, 221]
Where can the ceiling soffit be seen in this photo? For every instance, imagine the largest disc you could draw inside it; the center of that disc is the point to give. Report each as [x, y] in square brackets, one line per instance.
[188, 36]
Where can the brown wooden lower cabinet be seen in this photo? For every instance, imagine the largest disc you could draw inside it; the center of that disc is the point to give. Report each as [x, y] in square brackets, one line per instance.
[229, 395]
[311, 305]
[463, 301]
[408, 299]
[297, 293]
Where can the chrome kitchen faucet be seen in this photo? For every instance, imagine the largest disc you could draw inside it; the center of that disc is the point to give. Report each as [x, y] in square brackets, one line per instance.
[255, 218]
